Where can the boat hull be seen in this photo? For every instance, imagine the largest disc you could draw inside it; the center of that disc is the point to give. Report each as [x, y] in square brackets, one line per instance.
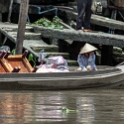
[109, 78]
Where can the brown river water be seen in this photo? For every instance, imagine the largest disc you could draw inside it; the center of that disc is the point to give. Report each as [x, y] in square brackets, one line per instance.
[62, 107]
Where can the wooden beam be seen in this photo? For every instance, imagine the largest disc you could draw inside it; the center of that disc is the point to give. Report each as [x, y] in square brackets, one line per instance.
[96, 38]
[95, 19]
[21, 25]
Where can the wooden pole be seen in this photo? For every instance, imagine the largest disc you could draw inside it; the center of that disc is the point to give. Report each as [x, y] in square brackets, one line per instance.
[10, 11]
[21, 25]
[9, 18]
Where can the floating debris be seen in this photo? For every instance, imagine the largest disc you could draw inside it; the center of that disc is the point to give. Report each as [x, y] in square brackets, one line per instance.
[66, 110]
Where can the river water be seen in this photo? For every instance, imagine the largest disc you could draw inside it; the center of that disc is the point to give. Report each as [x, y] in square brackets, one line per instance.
[62, 107]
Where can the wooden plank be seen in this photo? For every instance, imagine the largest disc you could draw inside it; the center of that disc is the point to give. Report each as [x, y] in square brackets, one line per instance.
[15, 57]
[6, 65]
[95, 19]
[4, 32]
[96, 38]
[18, 60]
[27, 64]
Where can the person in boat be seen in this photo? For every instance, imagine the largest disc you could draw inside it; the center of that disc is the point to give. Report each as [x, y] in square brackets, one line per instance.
[86, 58]
[84, 8]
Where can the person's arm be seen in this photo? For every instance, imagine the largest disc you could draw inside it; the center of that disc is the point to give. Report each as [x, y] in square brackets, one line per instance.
[80, 62]
[91, 61]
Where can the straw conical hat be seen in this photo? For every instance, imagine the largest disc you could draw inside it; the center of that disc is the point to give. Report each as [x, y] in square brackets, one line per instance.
[87, 48]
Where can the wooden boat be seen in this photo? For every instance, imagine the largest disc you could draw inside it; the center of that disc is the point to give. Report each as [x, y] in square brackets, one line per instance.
[25, 78]
[104, 78]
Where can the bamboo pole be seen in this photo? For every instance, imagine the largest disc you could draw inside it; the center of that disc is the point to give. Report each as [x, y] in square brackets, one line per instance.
[21, 25]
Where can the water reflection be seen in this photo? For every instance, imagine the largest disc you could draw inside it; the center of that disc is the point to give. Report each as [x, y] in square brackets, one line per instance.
[93, 107]
[86, 109]
[13, 106]
[49, 106]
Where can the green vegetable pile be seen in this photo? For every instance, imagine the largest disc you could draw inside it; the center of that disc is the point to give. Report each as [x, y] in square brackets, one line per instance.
[54, 24]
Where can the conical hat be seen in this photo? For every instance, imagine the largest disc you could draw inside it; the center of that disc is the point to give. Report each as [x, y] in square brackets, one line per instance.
[87, 48]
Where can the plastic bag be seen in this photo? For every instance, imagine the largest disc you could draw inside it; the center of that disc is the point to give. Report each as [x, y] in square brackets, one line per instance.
[58, 61]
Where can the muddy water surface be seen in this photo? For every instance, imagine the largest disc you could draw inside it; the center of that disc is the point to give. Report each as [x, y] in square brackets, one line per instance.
[62, 107]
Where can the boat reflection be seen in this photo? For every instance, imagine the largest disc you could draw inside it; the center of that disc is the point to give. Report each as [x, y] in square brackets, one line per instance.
[89, 107]
[13, 108]
[48, 107]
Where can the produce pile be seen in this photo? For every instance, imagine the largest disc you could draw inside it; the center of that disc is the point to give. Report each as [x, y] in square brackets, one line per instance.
[54, 24]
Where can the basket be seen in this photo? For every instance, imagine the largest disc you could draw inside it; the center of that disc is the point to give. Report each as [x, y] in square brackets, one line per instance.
[119, 3]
